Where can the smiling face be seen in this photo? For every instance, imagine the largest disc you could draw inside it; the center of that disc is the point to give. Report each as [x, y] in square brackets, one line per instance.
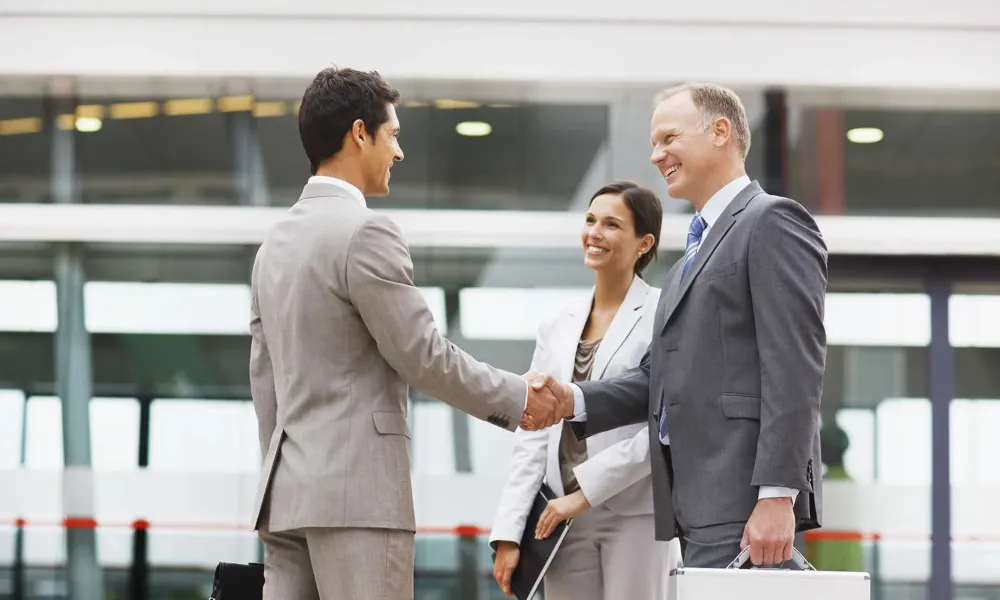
[381, 154]
[685, 150]
[608, 237]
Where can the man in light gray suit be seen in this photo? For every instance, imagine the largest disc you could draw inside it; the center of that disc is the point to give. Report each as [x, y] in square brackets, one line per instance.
[731, 383]
[339, 332]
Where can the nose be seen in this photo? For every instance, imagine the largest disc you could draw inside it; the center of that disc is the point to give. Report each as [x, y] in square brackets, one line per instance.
[657, 156]
[399, 154]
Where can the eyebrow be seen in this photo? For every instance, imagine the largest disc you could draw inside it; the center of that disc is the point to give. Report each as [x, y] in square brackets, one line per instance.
[662, 133]
[612, 217]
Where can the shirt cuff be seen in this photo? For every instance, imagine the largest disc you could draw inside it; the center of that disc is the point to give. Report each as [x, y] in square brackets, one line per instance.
[527, 391]
[768, 491]
[579, 407]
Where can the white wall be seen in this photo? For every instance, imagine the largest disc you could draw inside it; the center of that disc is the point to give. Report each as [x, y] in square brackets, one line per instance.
[892, 44]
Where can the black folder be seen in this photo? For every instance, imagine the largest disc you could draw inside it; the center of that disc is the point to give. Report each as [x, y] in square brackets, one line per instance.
[536, 555]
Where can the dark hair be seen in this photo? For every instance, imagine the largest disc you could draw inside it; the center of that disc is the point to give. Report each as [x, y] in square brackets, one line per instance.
[333, 101]
[647, 214]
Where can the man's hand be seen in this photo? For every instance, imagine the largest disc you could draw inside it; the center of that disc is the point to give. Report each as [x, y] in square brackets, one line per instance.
[770, 532]
[508, 555]
[559, 510]
[547, 402]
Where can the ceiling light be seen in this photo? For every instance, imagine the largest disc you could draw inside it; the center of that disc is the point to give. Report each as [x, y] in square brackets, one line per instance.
[865, 135]
[236, 103]
[473, 128]
[20, 126]
[447, 104]
[269, 109]
[88, 124]
[134, 110]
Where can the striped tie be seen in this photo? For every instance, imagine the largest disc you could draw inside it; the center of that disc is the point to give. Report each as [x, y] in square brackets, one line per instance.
[695, 231]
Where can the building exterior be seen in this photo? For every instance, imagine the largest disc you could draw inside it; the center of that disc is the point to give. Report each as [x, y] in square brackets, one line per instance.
[145, 147]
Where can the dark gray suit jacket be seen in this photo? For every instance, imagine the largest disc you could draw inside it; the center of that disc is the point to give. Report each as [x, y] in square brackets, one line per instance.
[737, 356]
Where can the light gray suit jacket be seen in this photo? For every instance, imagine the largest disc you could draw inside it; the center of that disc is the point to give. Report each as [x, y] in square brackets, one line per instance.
[737, 359]
[616, 472]
[339, 332]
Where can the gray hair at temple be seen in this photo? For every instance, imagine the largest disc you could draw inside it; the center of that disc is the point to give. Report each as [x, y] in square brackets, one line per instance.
[715, 102]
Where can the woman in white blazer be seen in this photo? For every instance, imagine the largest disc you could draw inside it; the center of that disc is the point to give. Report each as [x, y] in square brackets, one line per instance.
[604, 482]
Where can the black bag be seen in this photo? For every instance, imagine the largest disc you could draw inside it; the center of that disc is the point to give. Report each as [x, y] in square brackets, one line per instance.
[234, 581]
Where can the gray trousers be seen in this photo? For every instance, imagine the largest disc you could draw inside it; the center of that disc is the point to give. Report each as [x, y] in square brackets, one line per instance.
[338, 564]
[712, 547]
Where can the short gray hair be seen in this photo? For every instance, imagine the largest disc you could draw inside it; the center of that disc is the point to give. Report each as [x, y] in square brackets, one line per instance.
[715, 101]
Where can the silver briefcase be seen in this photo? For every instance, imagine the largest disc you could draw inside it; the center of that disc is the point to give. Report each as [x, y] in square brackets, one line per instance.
[768, 583]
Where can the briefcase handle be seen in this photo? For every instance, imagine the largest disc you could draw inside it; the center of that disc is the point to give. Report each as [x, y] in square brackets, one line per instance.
[797, 558]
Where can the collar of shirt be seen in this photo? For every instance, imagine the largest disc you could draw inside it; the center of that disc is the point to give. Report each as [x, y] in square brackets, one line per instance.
[353, 191]
[721, 199]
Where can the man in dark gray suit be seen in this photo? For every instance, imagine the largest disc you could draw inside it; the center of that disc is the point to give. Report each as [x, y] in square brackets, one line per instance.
[731, 383]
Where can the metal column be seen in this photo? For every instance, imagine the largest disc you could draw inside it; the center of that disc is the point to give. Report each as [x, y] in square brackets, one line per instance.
[250, 177]
[942, 386]
[775, 143]
[19, 576]
[139, 573]
[74, 378]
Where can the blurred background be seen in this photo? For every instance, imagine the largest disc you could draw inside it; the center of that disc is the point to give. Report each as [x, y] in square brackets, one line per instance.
[145, 147]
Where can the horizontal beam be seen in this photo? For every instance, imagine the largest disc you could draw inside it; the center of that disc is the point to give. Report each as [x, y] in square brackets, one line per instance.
[433, 228]
[892, 13]
[897, 44]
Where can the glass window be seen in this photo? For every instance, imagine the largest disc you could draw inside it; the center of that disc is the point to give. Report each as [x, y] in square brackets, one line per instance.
[28, 306]
[896, 161]
[875, 439]
[11, 423]
[114, 434]
[156, 150]
[975, 421]
[465, 155]
[44, 433]
[25, 150]
[203, 435]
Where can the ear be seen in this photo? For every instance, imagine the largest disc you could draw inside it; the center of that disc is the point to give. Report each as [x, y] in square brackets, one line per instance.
[357, 133]
[722, 129]
[646, 243]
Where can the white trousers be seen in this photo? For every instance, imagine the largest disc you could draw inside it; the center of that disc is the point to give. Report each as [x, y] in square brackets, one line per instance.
[609, 557]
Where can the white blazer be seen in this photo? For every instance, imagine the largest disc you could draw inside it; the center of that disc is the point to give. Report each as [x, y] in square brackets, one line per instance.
[616, 472]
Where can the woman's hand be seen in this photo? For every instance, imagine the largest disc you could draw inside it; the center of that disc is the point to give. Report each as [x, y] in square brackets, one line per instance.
[508, 555]
[559, 510]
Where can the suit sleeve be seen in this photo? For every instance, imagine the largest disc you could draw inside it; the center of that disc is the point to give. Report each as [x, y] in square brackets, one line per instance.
[380, 285]
[788, 277]
[615, 468]
[262, 390]
[528, 464]
[614, 403]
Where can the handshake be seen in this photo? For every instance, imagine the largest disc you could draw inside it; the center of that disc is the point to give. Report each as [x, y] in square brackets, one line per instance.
[549, 402]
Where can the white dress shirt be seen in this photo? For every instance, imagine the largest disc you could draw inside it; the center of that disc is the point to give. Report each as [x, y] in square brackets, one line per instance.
[711, 212]
[353, 191]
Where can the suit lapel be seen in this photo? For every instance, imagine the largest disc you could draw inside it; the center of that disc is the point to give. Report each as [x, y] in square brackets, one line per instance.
[708, 246]
[621, 326]
[568, 337]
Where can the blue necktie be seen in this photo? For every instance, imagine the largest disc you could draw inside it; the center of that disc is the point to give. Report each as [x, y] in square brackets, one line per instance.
[695, 231]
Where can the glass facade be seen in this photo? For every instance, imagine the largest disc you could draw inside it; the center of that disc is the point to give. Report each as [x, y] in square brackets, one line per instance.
[166, 336]
[919, 162]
